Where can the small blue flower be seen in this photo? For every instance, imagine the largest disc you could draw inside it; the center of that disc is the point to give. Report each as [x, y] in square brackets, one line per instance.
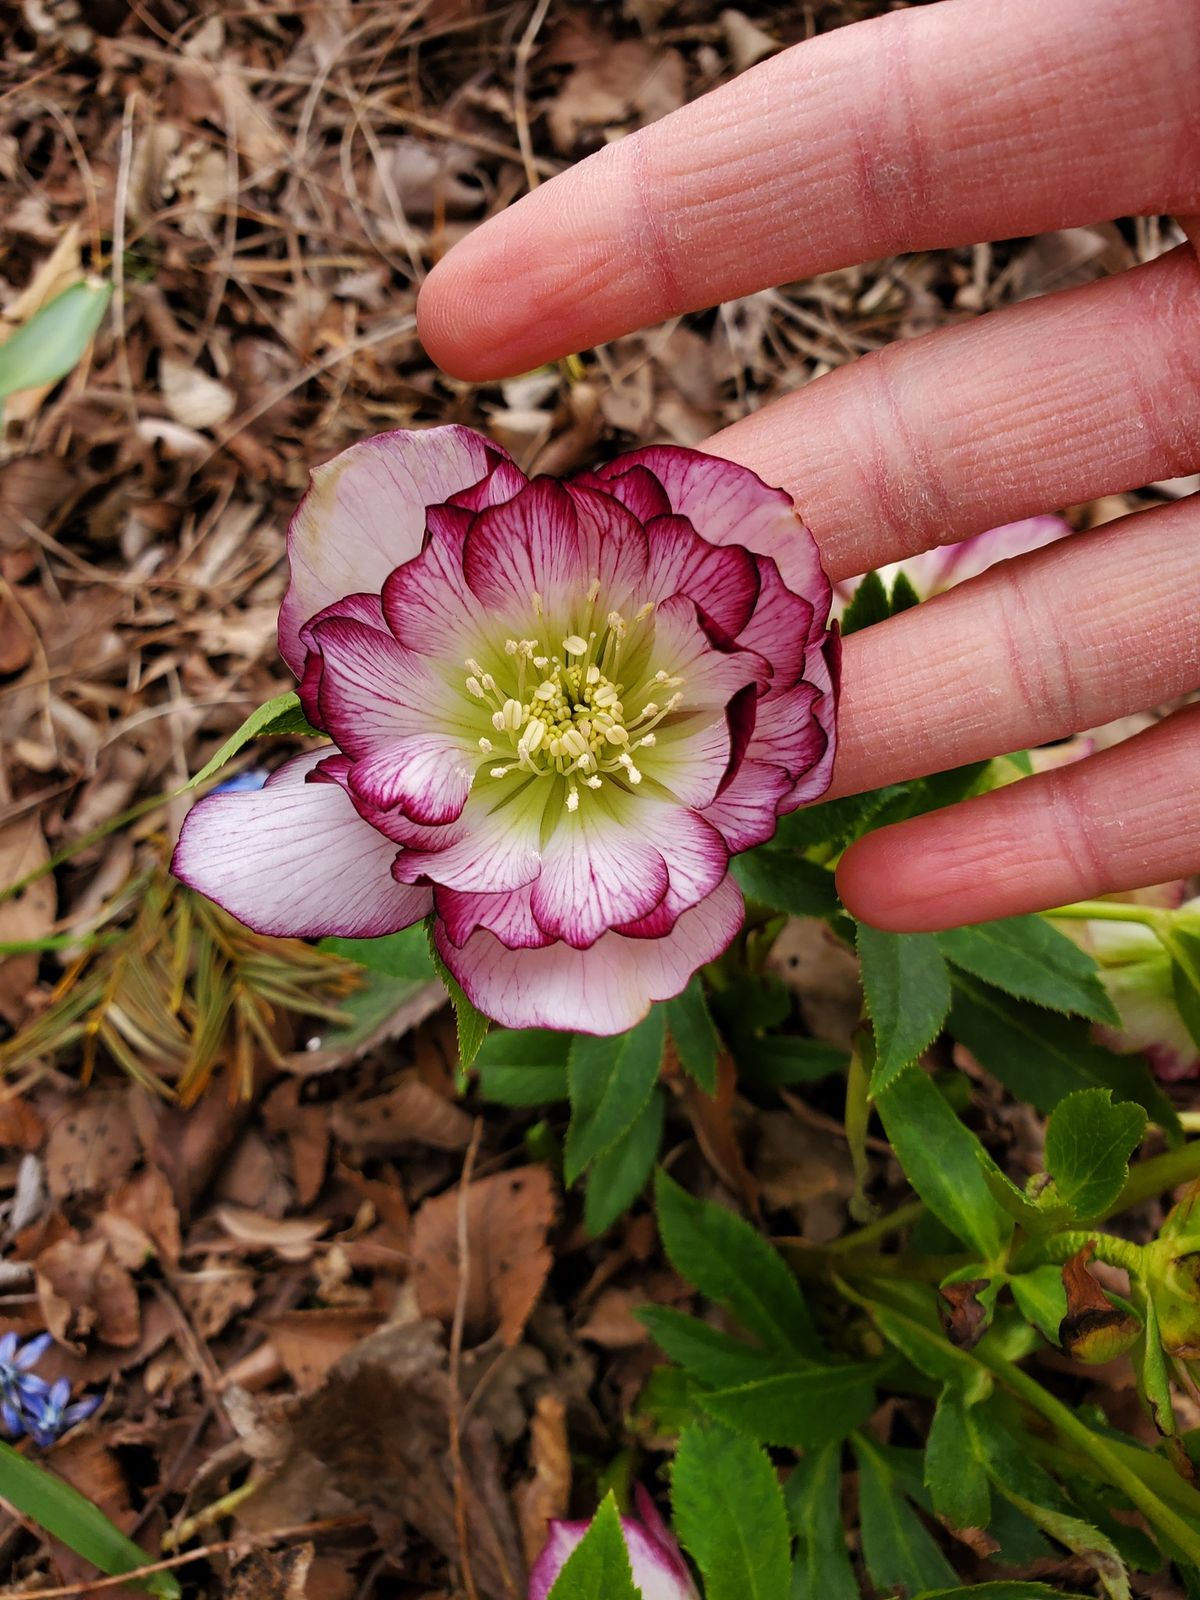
[20, 1387]
[243, 782]
[49, 1415]
[30, 1405]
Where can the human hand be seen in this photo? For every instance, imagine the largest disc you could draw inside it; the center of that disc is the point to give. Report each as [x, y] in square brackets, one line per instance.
[951, 123]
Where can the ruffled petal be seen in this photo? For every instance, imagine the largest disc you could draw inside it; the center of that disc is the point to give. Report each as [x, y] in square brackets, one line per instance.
[409, 733]
[597, 871]
[697, 859]
[747, 810]
[785, 629]
[494, 846]
[505, 480]
[427, 603]
[552, 542]
[364, 608]
[728, 504]
[682, 649]
[721, 579]
[294, 859]
[605, 989]
[509, 916]
[364, 514]
[637, 489]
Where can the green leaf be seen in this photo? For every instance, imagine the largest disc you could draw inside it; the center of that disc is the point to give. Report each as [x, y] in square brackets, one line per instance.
[523, 1066]
[280, 714]
[55, 338]
[63, 1512]
[868, 605]
[619, 1174]
[1028, 958]
[1153, 1378]
[1089, 1141]
[916, 1334]
[471, 1026]
[954, 1474]
[695, 1034]
[395, 955]
[806, 1408]
[1042, 1056]
[610, 1080]
[727, 1260]
[598, 1567]
[1183, 946]
[907, 988]
[1041, 1299]
[1082, 1539]
[813, 1494]
[710, 1356]
[940, 1160]
[780, 1059]
[1002, 1591]
[779, 878]
[730, 1516]
[897, 1547]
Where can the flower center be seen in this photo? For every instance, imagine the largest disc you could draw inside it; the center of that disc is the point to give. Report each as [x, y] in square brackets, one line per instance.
[566, 715]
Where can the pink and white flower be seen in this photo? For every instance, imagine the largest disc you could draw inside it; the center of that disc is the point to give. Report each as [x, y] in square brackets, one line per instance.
[934, 571]
[557, 709]
[659, 1569]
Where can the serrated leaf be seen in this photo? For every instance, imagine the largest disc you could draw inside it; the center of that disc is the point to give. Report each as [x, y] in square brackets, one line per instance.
[1042, 1056]
[813, 1494]
[694, 1034]
[1002, 1591]
[54, 1505]
[1089, 1141]
[710, 1356]
[1183, 946]
[730, 1516]
[470, 1026]
[1082, 1539]
[619, 1174]
[903, 596]
[281, 714]
[897, 1547]
[394, 955]
[1041, 1299]
[610, 1080]
[725, 1259]
[54, 340]
[869, 604]
[598, 1568]
[940, 1160]
[523, 1066]
[805, 1408]
[907, 988]
[954, 1475]
[1028, 958]
[784, 881]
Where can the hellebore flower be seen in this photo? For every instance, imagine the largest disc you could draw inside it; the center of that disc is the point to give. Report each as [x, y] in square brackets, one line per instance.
[1136, 970]
[19, 1386]
[557, 709]
[659, 1569]
[934, 571]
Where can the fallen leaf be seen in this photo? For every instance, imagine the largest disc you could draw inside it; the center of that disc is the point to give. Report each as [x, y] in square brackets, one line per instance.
[310, 1343]
[92, 1146]
[411, 1113]
[508, 1218]
[271, 1575]
[142, 1214]
[83, 1289]
[193, 398]
[290, 1238]
[547, 1493]
[28, 915]
[214, 1294]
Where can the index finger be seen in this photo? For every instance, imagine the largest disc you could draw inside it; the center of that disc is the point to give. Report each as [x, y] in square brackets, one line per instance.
[931, 127]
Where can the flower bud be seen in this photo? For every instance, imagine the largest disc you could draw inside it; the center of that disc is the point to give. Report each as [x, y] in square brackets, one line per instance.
[1095, 1328]
[659, 1569]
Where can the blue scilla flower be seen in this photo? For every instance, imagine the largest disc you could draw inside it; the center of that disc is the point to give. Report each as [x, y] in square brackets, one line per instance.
[244, 782]
[20, 1387]
[48, 1415]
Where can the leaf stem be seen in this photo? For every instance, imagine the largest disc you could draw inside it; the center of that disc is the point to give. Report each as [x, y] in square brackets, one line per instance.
[1060, 1247]
[1181, 1534]
[872, 1232]
[1108, 911]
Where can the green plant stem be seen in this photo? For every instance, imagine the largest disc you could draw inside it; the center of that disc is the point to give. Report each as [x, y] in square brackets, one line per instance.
[1109, 911]
[1184, 1537]
[59, 941]
[815, 1261]
[93, 836]
[1060, 1247]
[880, 1229]
[1154, 1177]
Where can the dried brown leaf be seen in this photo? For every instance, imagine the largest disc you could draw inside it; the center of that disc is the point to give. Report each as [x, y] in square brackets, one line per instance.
[83, 1289]
[92, 1146]
[411, 1113]
[508, 1218]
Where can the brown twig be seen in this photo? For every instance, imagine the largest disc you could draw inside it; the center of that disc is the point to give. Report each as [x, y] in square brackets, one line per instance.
[456, 1340]
[520, 88]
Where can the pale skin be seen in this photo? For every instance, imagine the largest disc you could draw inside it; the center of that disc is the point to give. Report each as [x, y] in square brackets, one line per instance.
[948, 124]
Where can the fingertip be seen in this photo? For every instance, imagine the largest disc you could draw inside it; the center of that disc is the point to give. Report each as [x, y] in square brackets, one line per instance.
[449, 324]
[877, 887]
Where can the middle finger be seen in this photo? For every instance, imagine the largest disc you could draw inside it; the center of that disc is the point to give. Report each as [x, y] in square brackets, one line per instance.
[1050, 403]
